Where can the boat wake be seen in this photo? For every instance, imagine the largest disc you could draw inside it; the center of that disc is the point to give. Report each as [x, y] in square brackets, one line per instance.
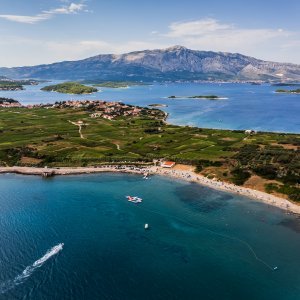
[28, 271]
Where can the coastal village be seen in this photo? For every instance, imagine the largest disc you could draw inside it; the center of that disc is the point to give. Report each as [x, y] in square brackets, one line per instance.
[103, 109]
[98, 108]
[7, 103]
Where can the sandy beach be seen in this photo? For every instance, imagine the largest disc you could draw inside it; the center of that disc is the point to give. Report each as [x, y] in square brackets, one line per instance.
[183, 173]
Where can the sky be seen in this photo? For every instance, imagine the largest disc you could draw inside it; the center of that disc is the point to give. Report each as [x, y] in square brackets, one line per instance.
[44, 31]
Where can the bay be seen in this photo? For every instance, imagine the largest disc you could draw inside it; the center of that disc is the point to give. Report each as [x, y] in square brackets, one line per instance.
[202, 243]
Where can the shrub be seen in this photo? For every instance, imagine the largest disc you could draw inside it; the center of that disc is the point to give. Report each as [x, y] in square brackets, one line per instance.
[240, 176]
[266, 171]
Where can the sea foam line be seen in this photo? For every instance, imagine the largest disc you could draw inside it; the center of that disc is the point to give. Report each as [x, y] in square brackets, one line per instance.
[28, 271]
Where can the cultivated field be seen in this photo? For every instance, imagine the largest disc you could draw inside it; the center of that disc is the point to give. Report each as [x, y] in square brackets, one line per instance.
[50, 137]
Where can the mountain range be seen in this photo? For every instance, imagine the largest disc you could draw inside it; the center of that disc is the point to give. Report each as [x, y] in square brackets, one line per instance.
[174, 63]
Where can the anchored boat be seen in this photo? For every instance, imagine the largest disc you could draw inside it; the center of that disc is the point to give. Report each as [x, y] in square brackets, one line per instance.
[134, 199]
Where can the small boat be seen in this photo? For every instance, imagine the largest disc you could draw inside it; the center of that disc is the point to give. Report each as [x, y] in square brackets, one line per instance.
[275, 268]
[134, 199]
[146, 226]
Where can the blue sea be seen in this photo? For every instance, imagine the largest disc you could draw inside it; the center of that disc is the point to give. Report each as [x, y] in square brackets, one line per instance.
[246, 106]
[77, 237]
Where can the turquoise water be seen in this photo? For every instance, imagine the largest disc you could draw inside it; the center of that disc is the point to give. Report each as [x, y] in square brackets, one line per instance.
[202, 244]
[247, 107]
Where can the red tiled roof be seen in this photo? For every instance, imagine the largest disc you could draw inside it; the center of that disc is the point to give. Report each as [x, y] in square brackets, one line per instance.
[169, 163]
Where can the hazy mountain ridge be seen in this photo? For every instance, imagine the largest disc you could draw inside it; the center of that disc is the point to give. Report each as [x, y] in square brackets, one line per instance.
[174, 63]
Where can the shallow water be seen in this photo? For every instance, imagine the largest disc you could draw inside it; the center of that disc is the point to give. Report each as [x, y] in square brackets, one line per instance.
[202, 244]
[247, 107]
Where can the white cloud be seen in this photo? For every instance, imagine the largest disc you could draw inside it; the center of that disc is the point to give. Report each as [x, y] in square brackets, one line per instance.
[72, 8]
[211, 29]
[76, 49]
[195, 28]
[26, 19]
[38, 51]
[207, 34]
[86, 48]
[211, 34]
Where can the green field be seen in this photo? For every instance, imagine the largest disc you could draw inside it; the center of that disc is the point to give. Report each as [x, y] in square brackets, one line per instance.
[40, 137]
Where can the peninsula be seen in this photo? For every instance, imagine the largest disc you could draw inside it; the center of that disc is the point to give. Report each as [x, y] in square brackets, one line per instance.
[70, 88]
[10, 86]
[7, 84]
[94, 133]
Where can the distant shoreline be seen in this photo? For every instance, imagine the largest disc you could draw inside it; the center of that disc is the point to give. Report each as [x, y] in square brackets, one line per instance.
[186, 175]
[281, 91]
[158, 105]
[201, 97]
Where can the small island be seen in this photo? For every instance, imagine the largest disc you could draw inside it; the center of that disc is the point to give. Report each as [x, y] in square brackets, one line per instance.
[70, 88]
[209, 97]
[297, 91]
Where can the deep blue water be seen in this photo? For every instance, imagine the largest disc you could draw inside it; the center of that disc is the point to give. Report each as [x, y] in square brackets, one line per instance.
[202, 244]
[247, 107]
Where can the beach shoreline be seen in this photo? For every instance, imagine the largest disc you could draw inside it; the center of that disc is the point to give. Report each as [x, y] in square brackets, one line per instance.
[186, 175]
